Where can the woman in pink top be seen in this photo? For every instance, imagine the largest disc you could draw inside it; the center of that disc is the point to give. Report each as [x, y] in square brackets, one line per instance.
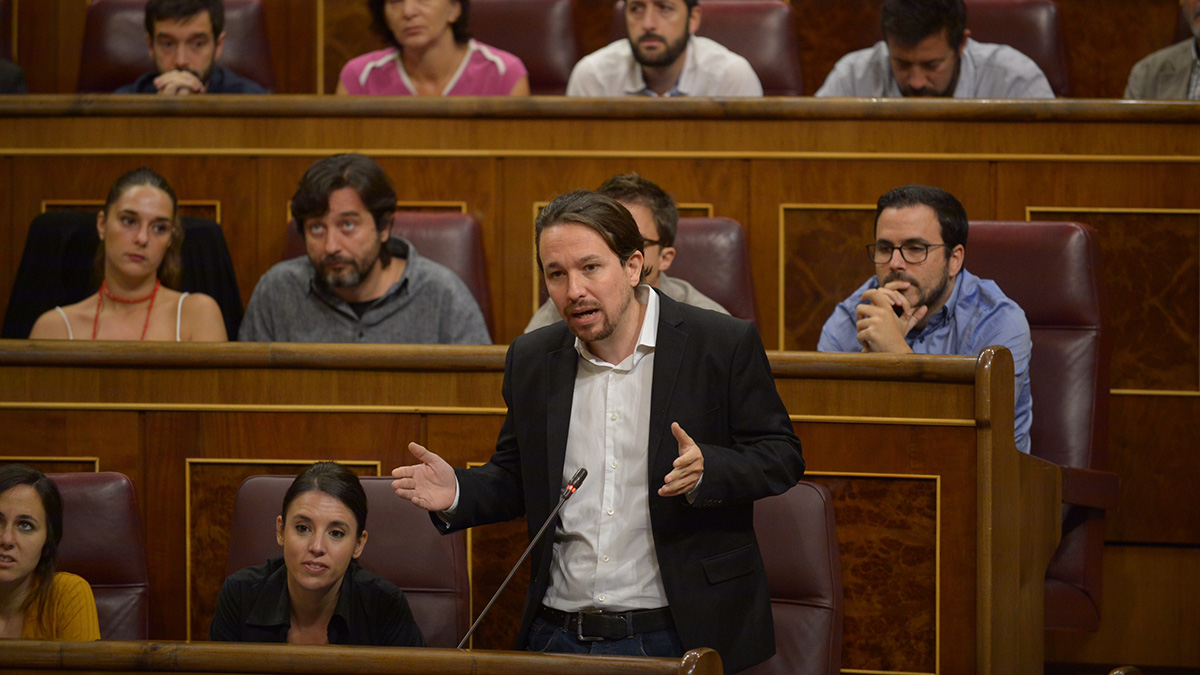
[431, 55]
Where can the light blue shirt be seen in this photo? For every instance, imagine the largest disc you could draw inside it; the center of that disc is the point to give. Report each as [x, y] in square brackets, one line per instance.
[978, 315]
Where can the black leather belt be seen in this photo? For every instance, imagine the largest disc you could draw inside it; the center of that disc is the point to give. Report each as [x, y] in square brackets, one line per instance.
[594, 625]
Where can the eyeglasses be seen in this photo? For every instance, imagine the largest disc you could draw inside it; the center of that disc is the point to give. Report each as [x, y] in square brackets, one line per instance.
[881, 254]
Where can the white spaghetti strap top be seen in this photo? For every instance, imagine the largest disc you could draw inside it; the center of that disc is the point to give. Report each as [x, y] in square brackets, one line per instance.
[178, 314]
[70, 333]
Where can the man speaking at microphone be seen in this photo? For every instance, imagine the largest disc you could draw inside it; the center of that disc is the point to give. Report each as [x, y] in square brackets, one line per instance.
[673, 411]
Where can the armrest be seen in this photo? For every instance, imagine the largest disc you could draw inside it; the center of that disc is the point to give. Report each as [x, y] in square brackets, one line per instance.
[1088, 487]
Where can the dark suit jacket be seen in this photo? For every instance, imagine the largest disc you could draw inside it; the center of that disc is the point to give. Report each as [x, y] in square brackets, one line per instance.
[12, 78]
[712, 376]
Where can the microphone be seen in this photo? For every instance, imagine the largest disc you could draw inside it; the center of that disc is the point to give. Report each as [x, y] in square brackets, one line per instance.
[567, 491]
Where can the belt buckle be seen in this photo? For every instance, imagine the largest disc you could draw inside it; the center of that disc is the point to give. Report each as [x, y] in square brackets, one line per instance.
[579, 627]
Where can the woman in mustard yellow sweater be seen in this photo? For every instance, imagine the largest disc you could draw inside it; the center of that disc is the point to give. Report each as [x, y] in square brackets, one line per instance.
[36, 603]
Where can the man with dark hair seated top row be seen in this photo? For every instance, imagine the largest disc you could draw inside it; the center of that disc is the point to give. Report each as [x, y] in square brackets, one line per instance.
[927, 51]
[185, 38]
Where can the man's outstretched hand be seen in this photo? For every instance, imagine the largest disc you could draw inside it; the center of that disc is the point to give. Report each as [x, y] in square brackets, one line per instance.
[430, 484]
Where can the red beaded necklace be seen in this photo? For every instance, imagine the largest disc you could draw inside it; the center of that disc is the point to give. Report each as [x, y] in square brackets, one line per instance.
[104, 292]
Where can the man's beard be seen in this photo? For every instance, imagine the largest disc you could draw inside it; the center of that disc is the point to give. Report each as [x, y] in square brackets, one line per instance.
[606, 328]
[933, 93]
[923, 298]
[350, 276]
[669, 55]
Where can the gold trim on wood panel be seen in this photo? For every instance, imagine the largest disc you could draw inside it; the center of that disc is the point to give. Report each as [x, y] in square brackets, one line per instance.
[865, 419]
[401, 205]
[187, 509]
[1182, 393]
[251, 407]
[31, 458]
[1104, 209]
[320, 19]
[708, 208]
[471, 569]
[782, 262]
[533, 260]
[99, 203]
[937, 563]
[501, 153]
[885, 671]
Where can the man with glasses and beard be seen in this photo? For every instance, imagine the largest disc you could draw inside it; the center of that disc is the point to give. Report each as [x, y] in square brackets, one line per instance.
[928, 51]
[663, 57]
[185, 38]
[923, 301]
[357, 283]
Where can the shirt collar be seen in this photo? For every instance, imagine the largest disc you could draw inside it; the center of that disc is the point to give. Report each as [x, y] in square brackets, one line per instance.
[274, 608]
[647, 338]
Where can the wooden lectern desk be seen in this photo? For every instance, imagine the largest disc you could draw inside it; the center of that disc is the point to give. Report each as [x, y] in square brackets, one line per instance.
[24, 657]
[944, 529]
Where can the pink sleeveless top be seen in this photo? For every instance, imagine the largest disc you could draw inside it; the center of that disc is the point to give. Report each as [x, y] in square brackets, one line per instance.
[486, 71]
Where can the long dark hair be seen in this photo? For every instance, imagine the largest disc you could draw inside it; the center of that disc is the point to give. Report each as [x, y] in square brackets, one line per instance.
[335, 480]
[12, 475]
[170, 271]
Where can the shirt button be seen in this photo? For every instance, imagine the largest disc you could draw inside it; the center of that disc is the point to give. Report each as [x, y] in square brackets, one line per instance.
[600, 598]
[614, 465]
[605, 558]
[614, 417]
[610, 512]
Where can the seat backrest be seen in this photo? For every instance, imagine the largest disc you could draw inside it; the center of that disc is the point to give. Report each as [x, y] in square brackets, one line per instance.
[1051, 269]
[451, 239]
[102, 542]
[797, 537]
[57, 268]
[1029, 26]
[761, 31]
[114, 50]
[403, 547]
[712, 255]
[539, 32]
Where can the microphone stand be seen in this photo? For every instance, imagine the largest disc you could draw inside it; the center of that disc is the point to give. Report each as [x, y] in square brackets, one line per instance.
[567, 491]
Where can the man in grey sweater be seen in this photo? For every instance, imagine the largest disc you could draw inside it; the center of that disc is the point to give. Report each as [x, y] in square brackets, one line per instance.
[657, 218]
[357, 283]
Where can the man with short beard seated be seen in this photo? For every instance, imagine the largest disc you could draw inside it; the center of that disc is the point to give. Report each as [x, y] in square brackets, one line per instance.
[663, 57]
[923, 301]
[927, 51]
[185, 38]
[357, 283]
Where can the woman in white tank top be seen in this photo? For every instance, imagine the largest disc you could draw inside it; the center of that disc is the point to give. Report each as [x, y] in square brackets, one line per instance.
[140, 239]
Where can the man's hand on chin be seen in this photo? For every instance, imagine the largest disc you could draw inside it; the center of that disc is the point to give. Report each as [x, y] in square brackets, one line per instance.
[885, 317]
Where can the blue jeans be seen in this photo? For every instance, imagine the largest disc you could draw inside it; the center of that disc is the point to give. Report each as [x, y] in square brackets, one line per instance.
[546, 637]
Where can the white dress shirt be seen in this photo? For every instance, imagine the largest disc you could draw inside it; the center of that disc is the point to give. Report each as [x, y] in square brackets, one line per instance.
[604, 554]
